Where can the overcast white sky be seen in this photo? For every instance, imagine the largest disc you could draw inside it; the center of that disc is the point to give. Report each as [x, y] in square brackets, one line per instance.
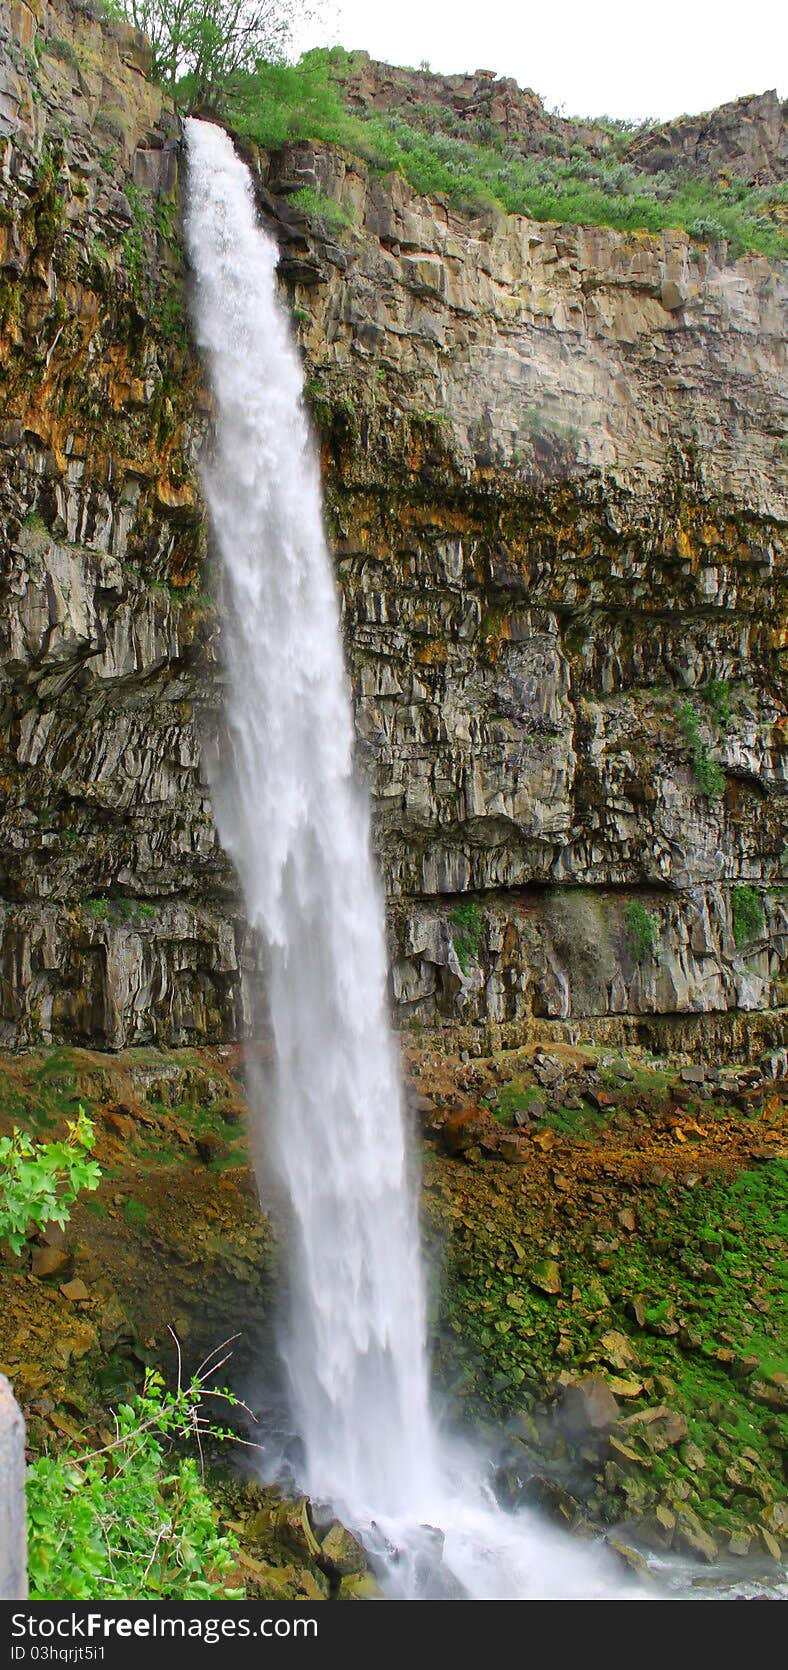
[628, 58]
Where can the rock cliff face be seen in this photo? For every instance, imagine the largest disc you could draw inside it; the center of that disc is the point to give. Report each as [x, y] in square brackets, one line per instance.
[747, 138]
[552, 463]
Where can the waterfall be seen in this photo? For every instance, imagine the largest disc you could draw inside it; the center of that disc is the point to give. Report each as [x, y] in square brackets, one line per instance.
[291, 817]
[294, 823]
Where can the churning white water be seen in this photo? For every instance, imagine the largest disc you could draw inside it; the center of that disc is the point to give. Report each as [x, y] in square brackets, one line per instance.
[296, 827]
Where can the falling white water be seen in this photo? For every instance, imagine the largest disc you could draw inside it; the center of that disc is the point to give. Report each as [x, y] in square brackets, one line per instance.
[296, 827]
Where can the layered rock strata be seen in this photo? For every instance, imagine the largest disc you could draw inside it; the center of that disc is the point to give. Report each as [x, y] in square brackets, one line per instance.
[553, 483]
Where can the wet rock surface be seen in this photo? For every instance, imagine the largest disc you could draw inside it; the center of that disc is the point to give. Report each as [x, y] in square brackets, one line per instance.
[640, 1397]
[635, 1390]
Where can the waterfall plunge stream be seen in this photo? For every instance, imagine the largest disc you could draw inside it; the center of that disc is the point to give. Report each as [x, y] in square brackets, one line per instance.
[291, 818]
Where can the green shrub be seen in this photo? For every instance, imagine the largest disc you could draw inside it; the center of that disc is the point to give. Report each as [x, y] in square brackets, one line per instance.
[709, 776]
[748, 914]
[281, 102]
[35, 523]
[121, 910]
[705, 229]
[717, 696]
[98, 909]
[707, 771]
[40, 1181]
[58, 47]
[131, 1521]
[643, 929]
[318, 206]
[468, 942]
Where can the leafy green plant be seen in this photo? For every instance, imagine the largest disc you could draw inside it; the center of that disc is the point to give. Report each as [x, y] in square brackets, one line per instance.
[707, 771]
[717, 696]
[97, 908]
[200, 48]
[643, 930]
[40, 1181]
[170, 319]
[135, 257]
[705, 229]
[35, 523]
[278, 103]
[467, 942]
[748, 913]
[58, 47]
[133, 1520]
[121, 910]
[319, 206]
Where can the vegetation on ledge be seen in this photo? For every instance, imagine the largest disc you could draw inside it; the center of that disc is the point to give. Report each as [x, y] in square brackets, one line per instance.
[229, 56]
[282, 103]
[637, 1243]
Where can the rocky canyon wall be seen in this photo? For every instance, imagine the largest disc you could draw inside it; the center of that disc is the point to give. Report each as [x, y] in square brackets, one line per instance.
[553, 470]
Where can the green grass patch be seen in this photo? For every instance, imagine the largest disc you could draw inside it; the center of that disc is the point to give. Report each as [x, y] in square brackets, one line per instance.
[643, 930]
[748, 914]
[318, 206]
[135, 1213]
[717, 696]
[706, 1264]
[574, 1121]
[467, 933]
[707, 771]
[304, 101]
[119, 910]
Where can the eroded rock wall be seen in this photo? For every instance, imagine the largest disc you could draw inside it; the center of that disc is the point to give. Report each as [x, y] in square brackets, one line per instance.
[554, 483]
[552, 469]
[119, 917]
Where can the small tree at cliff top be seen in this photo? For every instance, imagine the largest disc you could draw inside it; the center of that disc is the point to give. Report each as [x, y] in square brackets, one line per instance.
[201, 48]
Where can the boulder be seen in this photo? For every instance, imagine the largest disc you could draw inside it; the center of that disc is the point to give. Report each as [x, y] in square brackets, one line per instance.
[661, 1427]
[691, 1538]
[212, 1148]
[545, 1139]
[510, 1150]
[617, 1348]
[293, 1529]
[49, 1261]
[656, 1529]
[546, 1275]
[362, 1586]
[552, 1498]
[587, 1408]
[629, 1557]
[341, 1555]
[461, 1130]
[75, 1290]
[769, 1544]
